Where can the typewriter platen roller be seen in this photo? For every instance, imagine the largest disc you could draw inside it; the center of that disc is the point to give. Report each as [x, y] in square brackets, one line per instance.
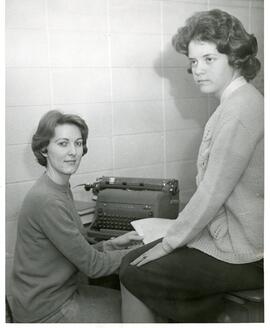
[121, 200]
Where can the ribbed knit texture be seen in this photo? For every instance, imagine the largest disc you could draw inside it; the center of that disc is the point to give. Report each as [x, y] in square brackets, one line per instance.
[51, 249]
[224, 218]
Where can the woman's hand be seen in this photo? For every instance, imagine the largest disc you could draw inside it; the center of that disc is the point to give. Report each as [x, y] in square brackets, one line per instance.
[129, 240]
[150, 255]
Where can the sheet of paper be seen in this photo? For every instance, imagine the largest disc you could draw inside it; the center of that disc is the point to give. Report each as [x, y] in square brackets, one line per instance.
[152, 228]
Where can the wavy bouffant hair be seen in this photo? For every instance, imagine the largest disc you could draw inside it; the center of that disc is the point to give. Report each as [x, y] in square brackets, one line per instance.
[229, 35]
[46, 129]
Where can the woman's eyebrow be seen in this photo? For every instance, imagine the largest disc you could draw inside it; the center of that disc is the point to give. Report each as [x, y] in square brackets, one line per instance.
[61, 138]
[210, 54]
[205, 55]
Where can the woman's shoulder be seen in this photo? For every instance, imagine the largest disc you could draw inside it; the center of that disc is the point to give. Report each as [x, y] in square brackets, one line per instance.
[250, 91]
[246, 97]
[245, 104]
[41, 194]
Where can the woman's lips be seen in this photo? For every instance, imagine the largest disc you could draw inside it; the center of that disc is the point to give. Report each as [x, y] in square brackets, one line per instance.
[203, 81]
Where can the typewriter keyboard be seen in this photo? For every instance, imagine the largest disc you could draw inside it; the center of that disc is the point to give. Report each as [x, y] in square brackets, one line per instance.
[110, 226]
[116, 223]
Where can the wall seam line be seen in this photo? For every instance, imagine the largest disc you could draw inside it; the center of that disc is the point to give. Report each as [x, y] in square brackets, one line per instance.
[163, 92]
[111, 82]
[49, 55]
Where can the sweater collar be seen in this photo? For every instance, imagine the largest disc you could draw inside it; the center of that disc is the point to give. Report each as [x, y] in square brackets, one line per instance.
[50, 182]
[234, 85]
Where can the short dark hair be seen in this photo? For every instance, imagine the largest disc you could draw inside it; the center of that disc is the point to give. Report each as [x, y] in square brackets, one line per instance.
[229, 35]
[46, 129]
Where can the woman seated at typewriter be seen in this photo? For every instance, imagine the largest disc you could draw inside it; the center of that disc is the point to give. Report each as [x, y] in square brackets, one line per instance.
[52, 245]
[216, 243]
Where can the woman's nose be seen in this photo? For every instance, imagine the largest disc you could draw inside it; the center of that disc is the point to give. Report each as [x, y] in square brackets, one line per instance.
[72, 149]
[199, 68]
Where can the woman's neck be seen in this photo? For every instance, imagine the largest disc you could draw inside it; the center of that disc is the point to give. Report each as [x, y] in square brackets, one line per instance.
[234, 85]
[235, 76]
[61, 179]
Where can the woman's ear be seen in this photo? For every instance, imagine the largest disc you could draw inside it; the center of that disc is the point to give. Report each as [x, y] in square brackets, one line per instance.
[44, 152]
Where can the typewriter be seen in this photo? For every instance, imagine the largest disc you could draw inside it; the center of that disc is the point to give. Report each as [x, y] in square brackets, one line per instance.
[120, 200]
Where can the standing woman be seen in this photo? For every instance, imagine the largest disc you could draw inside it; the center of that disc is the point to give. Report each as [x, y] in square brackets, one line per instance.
[216, 243]
[52, 245]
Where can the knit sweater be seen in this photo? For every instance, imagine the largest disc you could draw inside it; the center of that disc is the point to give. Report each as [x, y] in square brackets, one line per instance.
[224, 217]
[51, 249]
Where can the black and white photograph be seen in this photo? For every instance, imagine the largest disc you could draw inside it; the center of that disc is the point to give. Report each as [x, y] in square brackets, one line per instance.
[134, 162]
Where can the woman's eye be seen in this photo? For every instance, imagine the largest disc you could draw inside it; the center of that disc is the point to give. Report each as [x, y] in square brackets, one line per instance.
[209, 60]
[193, 62]
[62, 143]
[79, 143]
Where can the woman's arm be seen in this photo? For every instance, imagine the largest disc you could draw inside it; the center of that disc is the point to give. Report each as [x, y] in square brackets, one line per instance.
[228, 159]
[230, 153]
[59, 227]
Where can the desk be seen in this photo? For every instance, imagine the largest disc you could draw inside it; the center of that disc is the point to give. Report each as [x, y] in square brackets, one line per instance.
[86, 210]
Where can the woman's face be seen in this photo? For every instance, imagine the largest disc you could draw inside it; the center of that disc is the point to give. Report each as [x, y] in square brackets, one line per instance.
[210, 69]
[64, 152]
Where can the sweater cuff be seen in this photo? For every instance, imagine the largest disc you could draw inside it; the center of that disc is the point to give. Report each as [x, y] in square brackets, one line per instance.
[100, 246]
[166, 246]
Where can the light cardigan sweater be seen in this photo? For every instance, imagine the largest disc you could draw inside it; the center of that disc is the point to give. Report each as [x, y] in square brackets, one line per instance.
[224, 218]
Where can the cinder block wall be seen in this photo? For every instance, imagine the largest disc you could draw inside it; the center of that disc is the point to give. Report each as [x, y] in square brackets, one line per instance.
[110, 61]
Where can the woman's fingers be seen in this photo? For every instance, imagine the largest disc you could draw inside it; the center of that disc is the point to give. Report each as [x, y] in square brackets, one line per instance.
[133, 235]
[152, 254]
[142, 259]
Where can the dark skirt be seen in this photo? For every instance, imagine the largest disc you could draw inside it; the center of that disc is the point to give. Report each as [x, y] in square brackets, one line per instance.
[187, 285]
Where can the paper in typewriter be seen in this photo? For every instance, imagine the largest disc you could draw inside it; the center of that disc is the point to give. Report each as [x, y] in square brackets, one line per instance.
[152, 228]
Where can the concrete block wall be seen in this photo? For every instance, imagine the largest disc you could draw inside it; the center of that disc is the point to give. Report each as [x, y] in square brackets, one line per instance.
[110, 61]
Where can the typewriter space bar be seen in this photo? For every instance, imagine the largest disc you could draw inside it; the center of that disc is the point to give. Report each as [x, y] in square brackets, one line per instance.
[105, 233]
